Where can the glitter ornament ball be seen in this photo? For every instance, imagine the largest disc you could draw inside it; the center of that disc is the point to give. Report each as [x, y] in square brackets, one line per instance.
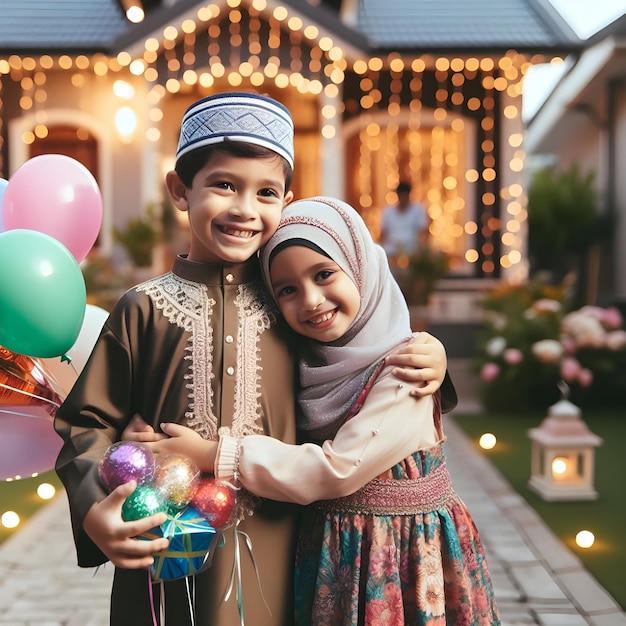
[176, 478]
[143, 502]
[215, 500]
[125, 461]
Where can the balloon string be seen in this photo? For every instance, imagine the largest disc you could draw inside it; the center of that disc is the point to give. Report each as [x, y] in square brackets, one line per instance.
[191, 593]
[162, 604]
[256, 568]
[18, 413]
[189, 599]
[235, 573]
[151, 594]
[235, 576]
[31, 395]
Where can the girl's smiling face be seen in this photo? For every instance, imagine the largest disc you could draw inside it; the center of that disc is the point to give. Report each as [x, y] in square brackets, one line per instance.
[316, 297]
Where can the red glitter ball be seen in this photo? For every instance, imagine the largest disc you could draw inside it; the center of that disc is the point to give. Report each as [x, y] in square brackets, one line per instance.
[215, 499]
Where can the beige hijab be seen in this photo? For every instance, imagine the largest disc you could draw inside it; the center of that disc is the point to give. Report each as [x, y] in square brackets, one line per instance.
[333, 374]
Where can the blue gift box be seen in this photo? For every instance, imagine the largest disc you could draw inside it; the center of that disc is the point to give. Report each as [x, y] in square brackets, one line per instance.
[191, 538]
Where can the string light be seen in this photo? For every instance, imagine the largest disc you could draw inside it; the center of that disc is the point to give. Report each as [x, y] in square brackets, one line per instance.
[227, 44]
[46, 491]
[10, 519]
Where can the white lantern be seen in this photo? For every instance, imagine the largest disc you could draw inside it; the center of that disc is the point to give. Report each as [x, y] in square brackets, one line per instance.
[562, 462]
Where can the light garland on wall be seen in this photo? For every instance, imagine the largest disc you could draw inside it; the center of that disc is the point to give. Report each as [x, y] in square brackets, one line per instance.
[262, 46]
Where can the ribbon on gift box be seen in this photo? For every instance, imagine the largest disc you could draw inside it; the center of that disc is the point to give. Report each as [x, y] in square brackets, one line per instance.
[190, 537]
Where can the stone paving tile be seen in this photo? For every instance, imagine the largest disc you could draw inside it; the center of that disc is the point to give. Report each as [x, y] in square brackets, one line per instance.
[551, 549]
[505, 588]
[514, 550]
[513, 617]
[562, 619]
[586, 591]
[537, 584]
[609, 619]
[43, 582]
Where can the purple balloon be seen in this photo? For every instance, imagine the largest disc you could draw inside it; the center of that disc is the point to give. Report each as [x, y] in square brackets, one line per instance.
[125, 461]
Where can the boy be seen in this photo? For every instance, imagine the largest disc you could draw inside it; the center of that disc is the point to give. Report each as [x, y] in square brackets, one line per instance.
[195, 346]
[200, 345]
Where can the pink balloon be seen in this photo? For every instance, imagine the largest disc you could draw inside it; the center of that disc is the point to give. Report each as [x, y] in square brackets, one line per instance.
[28, 441]
[58, 196]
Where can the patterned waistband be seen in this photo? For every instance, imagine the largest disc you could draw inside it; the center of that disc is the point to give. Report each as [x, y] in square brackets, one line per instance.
[396, 497]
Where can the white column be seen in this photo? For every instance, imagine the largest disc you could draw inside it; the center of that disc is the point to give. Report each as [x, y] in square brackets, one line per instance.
[509, 127]
[332, 149]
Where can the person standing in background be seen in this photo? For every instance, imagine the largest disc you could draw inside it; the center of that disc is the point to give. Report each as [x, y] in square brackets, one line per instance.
[403, 229]
[404, 225]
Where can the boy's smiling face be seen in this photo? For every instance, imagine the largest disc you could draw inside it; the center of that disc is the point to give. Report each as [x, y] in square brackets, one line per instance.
[233, 205]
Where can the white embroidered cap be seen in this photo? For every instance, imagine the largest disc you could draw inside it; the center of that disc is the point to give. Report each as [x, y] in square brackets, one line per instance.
[237, 116]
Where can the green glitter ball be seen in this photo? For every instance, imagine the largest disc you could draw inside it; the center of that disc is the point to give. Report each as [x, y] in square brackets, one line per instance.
[143, 502]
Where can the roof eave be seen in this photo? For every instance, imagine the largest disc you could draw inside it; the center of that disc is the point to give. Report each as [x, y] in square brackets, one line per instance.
[549, 15]
[567, 93]
[417, 49]
[324, 18]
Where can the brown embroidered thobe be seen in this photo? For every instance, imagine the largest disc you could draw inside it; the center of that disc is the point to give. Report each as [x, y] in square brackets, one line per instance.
[201, 346]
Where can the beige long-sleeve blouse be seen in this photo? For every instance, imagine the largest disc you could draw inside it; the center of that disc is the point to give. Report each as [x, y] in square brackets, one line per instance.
[390, 426]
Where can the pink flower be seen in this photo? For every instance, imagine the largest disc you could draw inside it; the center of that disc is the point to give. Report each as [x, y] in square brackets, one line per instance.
[569, 345]
[584, 328]
[547, 305]
[570, 369]
[616, 340]
[489, 372]
[590, 310]
[612, 317]
[547, 351]
[513, 356]
[609, 318]
[585, 377]
[495, 346]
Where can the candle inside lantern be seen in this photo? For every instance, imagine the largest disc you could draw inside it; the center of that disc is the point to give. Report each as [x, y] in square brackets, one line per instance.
[559, 467]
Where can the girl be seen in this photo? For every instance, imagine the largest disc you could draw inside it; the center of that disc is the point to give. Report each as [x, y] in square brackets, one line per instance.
[385, 539]
[402, 549]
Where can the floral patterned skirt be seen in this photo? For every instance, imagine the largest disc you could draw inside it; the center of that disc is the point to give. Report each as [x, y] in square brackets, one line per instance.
[394, 561]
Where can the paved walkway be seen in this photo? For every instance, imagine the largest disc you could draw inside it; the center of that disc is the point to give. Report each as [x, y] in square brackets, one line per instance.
[536, 578]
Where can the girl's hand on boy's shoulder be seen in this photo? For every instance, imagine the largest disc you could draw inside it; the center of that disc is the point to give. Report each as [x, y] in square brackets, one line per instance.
[421, 361]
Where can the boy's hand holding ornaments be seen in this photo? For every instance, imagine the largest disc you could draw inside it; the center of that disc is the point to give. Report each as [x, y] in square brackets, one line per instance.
[196, 507]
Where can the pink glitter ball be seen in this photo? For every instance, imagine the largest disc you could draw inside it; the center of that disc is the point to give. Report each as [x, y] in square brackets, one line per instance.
[125, 461]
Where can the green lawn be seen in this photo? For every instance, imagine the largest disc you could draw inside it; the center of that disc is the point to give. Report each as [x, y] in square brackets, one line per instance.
[604, 516]
[21, 497]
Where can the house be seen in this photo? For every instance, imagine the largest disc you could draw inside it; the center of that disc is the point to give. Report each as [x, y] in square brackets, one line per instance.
[583, 121]
[380, 90]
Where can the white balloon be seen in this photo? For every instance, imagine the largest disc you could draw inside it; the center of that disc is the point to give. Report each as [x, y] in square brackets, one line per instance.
[89, 332]
[64, 374]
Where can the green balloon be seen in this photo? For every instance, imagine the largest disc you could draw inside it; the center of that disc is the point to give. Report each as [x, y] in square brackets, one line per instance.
[42, 294]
